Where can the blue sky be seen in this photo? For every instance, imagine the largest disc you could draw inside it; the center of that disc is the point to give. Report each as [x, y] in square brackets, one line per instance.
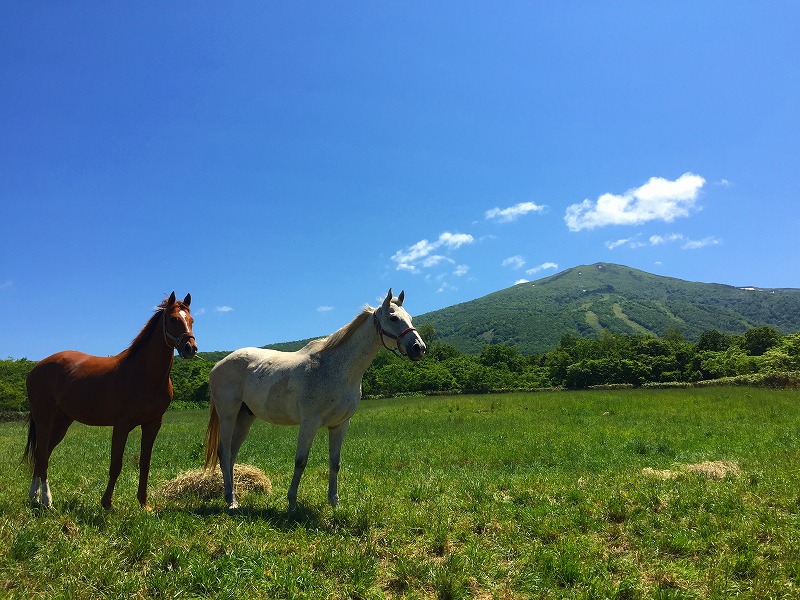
[287, 163]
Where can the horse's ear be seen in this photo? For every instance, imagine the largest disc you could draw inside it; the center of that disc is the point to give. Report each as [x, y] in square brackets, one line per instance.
[188, 300]
[400, 298]
[171, 300]
[388, 299]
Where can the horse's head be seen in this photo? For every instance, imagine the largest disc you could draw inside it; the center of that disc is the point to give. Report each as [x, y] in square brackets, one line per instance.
[177, 321]
[393, 322]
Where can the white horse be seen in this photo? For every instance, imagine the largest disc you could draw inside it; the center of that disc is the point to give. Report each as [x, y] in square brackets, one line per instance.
[317, 386]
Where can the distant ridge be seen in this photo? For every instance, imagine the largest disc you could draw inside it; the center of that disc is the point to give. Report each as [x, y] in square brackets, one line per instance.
[585, 300]
[588, 299]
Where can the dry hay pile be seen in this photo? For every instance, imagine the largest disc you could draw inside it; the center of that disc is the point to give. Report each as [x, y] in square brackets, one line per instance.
[713, 469]
[207, 485]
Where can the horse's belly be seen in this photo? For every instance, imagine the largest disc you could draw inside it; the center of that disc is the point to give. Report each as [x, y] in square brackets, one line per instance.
[276, 403]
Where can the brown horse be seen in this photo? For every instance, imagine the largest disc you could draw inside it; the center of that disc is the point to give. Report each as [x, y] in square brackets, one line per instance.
[129, 389]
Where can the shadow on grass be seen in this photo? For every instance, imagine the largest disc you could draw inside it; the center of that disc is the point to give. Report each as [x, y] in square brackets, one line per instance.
[282, 520]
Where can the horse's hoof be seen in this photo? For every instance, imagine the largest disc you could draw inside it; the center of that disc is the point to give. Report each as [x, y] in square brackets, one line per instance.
[233, 506]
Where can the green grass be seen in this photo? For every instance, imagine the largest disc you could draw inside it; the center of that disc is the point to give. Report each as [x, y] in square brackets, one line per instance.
[496, 496]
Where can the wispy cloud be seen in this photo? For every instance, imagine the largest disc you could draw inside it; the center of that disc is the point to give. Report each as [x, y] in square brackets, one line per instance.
[420, 255]
[631, 242]
[657, 200]
[223, 309]
[697, 244]
[324, 309]
[661, 240]
[657, 240]
[515, 262]
[505, 215]
[461, 270]
[518, 281]
[541, 267]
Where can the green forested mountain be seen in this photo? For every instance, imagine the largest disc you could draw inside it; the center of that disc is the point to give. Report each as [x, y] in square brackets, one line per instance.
[584, 301]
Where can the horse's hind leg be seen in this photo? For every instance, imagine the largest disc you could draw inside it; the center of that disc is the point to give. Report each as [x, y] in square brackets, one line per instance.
[227, 427]
[240, 430]
[305, 437]
[60, 424]
[243, 422]
[118, 439]
[49, 432]
[30, 456]
[335, 439]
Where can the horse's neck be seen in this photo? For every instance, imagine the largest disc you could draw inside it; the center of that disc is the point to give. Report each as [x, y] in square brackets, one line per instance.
[356, 354]
[152, 357]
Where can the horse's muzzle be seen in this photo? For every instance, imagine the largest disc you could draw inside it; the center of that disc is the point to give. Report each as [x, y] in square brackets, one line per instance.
[188, 349]
[417, 350]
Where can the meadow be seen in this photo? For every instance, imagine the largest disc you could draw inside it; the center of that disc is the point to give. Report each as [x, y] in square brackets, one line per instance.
[539, 495]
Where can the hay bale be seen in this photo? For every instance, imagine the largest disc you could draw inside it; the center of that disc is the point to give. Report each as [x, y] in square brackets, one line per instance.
[660, 474]
[713, 469]
[208, 485]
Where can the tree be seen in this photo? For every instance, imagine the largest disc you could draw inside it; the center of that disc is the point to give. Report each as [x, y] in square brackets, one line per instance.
[13, 393]
[713, 340]
[504, 357]
[760, 339]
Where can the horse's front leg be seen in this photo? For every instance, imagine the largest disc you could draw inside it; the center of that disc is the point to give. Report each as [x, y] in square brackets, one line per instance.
[305, 437]
[149, 432]
[335, 439]
[118, 439]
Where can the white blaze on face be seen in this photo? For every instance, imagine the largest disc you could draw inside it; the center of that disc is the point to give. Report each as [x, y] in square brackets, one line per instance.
[183, 316]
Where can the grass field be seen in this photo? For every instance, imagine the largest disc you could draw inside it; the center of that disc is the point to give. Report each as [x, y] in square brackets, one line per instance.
[495, 496]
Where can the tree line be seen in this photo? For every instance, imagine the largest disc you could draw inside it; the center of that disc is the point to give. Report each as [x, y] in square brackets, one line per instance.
[576, 363]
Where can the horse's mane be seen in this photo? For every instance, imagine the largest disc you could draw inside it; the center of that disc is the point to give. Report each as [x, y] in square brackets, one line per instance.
[339, 337]
[144, 335]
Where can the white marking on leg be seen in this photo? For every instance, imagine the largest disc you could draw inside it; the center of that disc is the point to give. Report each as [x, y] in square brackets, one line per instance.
[33, 494]
[47, 498]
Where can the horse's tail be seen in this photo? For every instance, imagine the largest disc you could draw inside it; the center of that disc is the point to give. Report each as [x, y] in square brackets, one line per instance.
[27, 456]
[212, 438]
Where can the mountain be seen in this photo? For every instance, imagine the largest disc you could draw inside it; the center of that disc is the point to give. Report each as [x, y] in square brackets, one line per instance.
[585, 300]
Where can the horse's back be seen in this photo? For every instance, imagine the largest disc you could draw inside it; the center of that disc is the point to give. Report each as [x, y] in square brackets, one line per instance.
[262, 379]
[73, 381]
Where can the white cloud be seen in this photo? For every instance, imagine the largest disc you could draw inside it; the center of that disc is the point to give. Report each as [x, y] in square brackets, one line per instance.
[697, 244]
[657, 200]
[631, 242]
[419, 254]
[324, 309]
[518, 281]
[541, 267]
[455, 240]
[435, 259]
[661, 240]
[223, 309]
[657, 240]
[504, 215]
[461, 270]
[515, 262]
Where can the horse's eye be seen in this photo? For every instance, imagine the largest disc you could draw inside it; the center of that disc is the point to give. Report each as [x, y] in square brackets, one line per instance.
[393, 318]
